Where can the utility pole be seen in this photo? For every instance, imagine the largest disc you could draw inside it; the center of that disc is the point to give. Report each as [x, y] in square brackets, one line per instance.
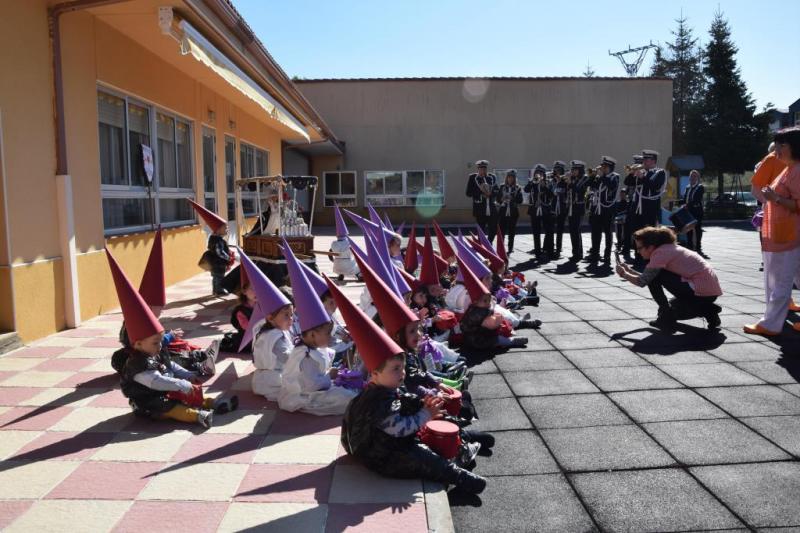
[632, 67]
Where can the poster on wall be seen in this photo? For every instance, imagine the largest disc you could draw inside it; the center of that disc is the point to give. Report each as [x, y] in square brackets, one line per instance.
[147, 162]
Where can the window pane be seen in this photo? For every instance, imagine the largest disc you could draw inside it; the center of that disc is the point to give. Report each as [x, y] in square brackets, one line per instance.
[230, 164]
[138, 134]
[348, 182]
[374, 183]
[208, 162]
[165, 132]
[184, 136]
[211, 203]
[111, 125]
[388, 201]
[249, 206]
[175, 210]
[332, 183]
[124, 212]
[434, 182]
[231, 209]
[393, 183]
[415, 181]
[341, 202]
[261, 163]
[246, 157]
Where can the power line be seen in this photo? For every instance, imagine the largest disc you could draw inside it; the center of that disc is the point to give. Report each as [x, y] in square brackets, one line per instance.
[632, 67]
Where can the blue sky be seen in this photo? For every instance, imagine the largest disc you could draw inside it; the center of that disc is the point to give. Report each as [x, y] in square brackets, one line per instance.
[353, 39]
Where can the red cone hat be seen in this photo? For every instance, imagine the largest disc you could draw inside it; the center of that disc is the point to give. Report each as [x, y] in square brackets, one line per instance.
[429, 275]
[153, 287]
[445, 250]
[411, 263]
[393, 311]
[501, 245]
[475, 288]
[213, 220]
[140, 322]
[441, 264]
[374, 344]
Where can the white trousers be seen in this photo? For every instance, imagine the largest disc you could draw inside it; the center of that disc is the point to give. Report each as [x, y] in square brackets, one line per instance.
[781, 269]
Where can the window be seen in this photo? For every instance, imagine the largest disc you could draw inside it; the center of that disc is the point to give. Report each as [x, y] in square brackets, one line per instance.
[209, 169]
[230, 175]
[340, 188]
[398, 188]
[254, 162]
[130, 201]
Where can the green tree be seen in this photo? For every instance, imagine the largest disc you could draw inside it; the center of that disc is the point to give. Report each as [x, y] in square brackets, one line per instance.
[730, 135]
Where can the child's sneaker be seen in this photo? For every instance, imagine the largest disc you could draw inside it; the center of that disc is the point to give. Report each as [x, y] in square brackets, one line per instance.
[470, 483]
[205, 418]
[210, 364]
[467, 453]
[226, 406]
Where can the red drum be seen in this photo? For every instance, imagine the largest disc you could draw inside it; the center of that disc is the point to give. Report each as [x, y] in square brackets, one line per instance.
[446, 320]
[442, 437]
[453, 405]
[180, 346]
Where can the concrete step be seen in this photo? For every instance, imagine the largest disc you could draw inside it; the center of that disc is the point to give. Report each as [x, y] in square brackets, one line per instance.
[9, 341]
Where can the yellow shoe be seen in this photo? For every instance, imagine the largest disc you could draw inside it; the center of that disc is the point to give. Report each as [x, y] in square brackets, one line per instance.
[758, 329]
[793, 306]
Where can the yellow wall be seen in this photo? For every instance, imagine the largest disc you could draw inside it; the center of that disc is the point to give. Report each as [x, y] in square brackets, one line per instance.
[6, 300]
[39, 298]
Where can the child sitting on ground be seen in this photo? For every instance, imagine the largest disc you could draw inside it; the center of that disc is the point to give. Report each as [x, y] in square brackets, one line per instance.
[271, 350]
[307, 379]
[381, 424]
[240, 319]
[156, 387]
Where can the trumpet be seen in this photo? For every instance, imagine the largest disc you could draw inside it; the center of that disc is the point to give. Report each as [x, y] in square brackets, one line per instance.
[636, 167]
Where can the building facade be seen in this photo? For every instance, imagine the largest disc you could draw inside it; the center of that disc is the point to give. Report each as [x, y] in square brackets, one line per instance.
[412, 142]
[93, 90]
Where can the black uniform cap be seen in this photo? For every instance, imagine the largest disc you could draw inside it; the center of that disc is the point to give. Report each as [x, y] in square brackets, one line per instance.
[559, 163]
[481, 163]
[539, 168]
[649, 154]
[637, 158]
[577, 163]
[511, 172]
[608, 160]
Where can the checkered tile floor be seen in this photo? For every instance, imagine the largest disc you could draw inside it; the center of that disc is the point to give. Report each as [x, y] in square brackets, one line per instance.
[74, 457]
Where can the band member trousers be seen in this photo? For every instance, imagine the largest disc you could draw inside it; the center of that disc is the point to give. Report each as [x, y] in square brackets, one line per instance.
[559, 223]
[547, 227]
[694, 238]
[575, 237]
[508, 225]
[600, 226]
[536, 233]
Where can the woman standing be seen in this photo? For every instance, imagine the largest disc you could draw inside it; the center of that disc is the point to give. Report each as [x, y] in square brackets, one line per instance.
[780, 235]
[508, 196]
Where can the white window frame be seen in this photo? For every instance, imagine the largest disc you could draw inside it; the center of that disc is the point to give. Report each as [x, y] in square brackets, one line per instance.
[405, 198]
[252, 194]
[325, 195]
[121, 192]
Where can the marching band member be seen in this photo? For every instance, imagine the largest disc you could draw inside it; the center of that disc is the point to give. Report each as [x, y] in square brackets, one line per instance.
[537, 206]
[509, 196]
[693, 200]
[576, 204]
[603, 191]
[479, 188]
[560, 186]
[632, 219]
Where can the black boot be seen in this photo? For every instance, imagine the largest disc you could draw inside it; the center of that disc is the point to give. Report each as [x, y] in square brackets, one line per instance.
[485, 439]
[713, 321]
[529, 324]
[665, 321]
[470, 483]
[518, 342]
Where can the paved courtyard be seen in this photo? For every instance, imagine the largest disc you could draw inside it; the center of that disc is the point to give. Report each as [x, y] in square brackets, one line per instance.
[606, 424]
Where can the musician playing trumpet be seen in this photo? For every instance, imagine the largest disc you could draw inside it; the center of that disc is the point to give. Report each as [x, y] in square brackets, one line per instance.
[576, 196]
[480, 186]
[508, 196]
[603, 191]
[539, 199]
[633, 221]
[561, 184]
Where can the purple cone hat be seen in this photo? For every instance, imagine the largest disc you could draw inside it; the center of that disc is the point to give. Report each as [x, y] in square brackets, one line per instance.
[484, 239]
[308, 306]
[373, 215]
[471, 260]
[387, 222]
[369, 227]
[400, 228]
[376, 262]
[270, 299]
[316, 281]
[255, 318]
[402, 285]
[341, 227]
[357, 249]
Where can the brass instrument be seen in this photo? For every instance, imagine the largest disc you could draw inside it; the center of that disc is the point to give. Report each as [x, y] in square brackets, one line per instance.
[631, 169]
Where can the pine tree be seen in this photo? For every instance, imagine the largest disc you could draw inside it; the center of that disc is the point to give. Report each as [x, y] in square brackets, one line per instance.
[729, 134]
[659, 68]
[589, 72]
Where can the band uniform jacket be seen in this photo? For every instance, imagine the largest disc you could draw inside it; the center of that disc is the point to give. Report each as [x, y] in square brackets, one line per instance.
[479, 200]
[540, 199]
[693, 200]
[603, 192]
[578, 189]
[508, 198]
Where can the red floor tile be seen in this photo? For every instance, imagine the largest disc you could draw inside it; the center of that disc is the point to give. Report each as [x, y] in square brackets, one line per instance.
[66, 364]
[11, 510]
[386, 518]
[5, 375]
[286, 483]
[169, 517]
[219, 449]
[13, 396]
[32, 418]
[84, 333]
[254, 402]
[41, 351]
[63, 446]
[304, 424]
[94, 380]
[104, 342]
[112, 398]
[102, 480]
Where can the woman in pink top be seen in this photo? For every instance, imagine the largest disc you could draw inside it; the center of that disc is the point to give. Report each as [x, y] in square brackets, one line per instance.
[682, 272]
[780, 235]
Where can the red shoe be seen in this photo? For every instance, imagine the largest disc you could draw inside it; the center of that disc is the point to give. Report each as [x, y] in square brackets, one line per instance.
[758, 329]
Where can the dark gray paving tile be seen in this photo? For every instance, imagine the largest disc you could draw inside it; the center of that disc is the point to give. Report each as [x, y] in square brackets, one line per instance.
[710, 375]
[546, 382]
[582, 342]
[572, 410]
[651, 500]
[486, 386]
[706, 442]
[619, 327]
[763, 494]
[783, 430]
[523, 503]
[747, 351]
[566, 328]
[630, 378]
[514, 361]
[665, 405]
[572, 296]
[757, 400]
[591, 315]
[604, 357]
[793, 388]
[498, 414]
[487, 367]
[517, 453]
[604, 448]
[783, 371]
[680, 358]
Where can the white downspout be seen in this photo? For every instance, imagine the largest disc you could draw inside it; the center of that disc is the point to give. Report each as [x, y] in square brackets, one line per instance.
[66, 240]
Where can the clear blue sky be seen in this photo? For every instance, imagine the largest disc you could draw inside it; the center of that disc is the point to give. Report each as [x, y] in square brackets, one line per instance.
[362, 38]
